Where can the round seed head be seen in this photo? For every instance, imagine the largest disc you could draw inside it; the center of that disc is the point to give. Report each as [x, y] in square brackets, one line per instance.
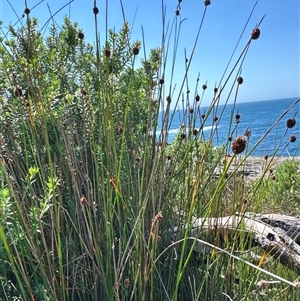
[206, 2]
[168, 98]
[229, 138]
[135, 50]
[197, 98]
[183, 136]
[239, 145]
[293, 138]
[27, 11]
[215, 118]
[255, 34]
[195, 132]
[291, 123]
[161, 81]
[204, 87]
[177, 12]
[95, 10]
[107, 53]
[215, 90]
[266, 157]
[203, 116]
[80, 35]
[191, 110]
[240, 80]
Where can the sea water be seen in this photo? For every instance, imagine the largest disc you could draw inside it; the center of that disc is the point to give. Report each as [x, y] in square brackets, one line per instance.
[264, 120]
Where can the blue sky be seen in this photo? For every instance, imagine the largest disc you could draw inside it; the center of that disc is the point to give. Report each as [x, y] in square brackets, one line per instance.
[271, 68]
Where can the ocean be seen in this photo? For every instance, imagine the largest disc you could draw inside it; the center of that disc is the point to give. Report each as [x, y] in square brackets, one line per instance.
[257, 117]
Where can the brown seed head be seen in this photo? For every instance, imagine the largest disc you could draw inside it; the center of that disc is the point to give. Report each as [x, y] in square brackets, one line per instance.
[135, 50]
[95, 10]
[197, 98]
[168, 98]
[293, 138]
[83, 92]
[240, 80]
[127, 282]
[138, 159]
[266, 157]
[291, 123]
[215, 118]
[177, 12]
[27, 11]
[84, 201]
[195, 132]
[183, 136]
[80, 35]
[204, 87]
[203, 116]
[229, 138]
[215, 90]
[255, 34]
[239, 145]
[107, 53]
[191, 110]
[161, 81]
[237, 116]
[206, 2]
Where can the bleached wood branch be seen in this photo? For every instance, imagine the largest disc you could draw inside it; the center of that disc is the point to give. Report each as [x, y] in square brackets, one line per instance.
[277, 234]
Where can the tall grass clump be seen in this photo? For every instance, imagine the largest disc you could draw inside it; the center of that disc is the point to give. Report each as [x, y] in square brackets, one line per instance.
[90, 190]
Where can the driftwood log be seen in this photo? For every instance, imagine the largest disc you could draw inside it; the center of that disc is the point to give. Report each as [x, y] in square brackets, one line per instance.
[278, 235]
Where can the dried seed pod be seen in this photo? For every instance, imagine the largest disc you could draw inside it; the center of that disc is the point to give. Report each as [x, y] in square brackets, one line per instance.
[135, 50]
[207, 2]
[237, 116]
[291, 123]
[204, 87]
[195, 132]
[177, 12]
[255, 34]
[183, 136]
[197, 98]
[80, 35]
[215, 118]
[161, 81]
[240, 80]
[95, 10]
[215, 90]
[191, 110]
[266, 157]
[138, 159]
[203, 116]
[168, 98]
[293, 138]
[239, 145]
[229, 138]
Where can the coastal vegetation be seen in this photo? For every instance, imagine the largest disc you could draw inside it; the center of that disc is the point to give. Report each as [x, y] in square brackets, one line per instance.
[96, 205]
